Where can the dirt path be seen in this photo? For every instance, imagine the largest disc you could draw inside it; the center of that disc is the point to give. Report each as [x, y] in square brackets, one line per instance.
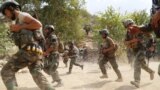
[88, 79]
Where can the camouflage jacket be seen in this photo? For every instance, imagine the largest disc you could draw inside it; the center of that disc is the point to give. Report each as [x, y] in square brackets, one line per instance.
[73, 52]
[52, 42]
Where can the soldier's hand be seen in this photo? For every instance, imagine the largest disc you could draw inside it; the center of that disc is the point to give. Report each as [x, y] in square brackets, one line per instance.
[45, 54]
[151, 49]
[104, 51]
[15, 28]
[155, 19]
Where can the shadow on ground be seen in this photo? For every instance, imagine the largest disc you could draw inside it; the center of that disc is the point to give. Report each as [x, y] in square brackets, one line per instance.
[26, 88]
[93, 71]
[131, 87]
[92, 85]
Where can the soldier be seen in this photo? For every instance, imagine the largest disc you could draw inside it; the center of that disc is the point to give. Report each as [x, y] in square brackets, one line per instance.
[139, 49]
[51, 61]
[154, 24]
[73, 55]
[26, 35]
[130, 53]
[108, 49]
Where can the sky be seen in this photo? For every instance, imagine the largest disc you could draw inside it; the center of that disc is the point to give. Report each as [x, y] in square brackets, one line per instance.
[95, 6]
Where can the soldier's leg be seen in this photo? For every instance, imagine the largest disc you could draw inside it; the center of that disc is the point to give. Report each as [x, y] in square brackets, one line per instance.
[114, 64]
[159, 70]
[65, 61]
[147, 69]
[8, 72]
[137, 69]
[102, 67]
[77, 64]
[71, 65]
[36, 72]
[55, 74]
[46, 66]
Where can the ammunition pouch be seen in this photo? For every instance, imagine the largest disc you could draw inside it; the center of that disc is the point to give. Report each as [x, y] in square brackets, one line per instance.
[28, 37]
[33, 48]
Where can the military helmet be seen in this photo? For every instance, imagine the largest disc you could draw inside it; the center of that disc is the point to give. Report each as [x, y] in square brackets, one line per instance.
[50, 27]
[71, 43]
[104, 31]
[156, 2]
[127, 22]
[11, 5]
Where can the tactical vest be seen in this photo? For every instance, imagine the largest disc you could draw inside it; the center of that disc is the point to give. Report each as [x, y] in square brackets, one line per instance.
[52, 41]
[26, 37]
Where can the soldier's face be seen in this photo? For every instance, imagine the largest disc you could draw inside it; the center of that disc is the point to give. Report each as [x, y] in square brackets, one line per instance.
[129, 26]
[46, 31]
[103, 35]
[70, 46]
[10, 15]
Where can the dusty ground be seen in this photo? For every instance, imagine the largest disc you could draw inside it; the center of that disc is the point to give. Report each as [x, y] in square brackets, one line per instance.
[88, 79]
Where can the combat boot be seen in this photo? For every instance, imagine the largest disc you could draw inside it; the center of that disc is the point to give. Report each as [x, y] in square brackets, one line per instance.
[119, 80]
[136, 84]
[59, 83]
[82, 67]
[104, 76]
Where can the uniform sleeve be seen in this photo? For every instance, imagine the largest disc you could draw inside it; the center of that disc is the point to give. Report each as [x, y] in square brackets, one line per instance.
[146, 28]
[111, 42]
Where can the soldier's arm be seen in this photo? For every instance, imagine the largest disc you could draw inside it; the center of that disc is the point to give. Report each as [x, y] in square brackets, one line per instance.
[155, 19]
[147, 28]
[53, 46]
[112, 45]
[30, 23]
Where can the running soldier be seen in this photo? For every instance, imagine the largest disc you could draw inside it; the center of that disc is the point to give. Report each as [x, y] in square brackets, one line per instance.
[73, 55]
[109, 48]
[130, 53]
[139, 49]
[51, 61]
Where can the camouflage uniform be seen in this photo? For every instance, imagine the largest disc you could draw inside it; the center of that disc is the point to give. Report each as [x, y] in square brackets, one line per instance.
[130, 53]
[65, 58]
[149, 27]
[140, 51]
[51, 62]
[29, 55]
[109, 57]
[73, 54]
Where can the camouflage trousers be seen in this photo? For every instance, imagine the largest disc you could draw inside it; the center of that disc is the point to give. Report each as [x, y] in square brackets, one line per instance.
[65, 61]
[20, 60]
[51, 65]
[159, 70]
[73, 62]
[140, 63]
[113, 63]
